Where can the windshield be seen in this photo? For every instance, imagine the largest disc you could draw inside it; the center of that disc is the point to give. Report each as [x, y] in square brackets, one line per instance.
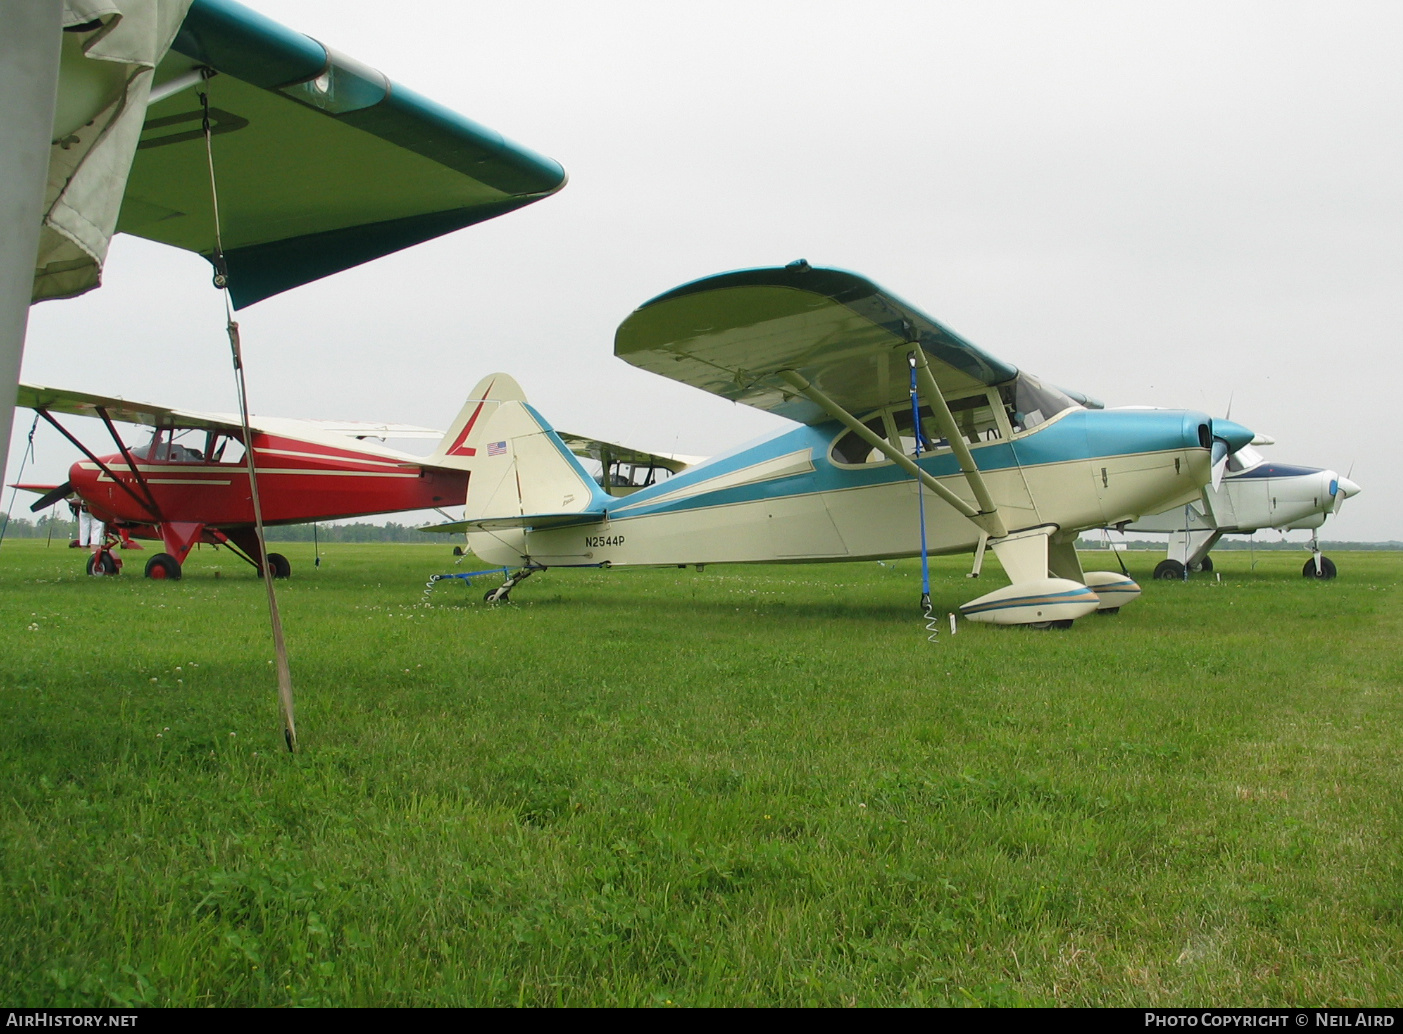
[1244, 459]
[1030, 402]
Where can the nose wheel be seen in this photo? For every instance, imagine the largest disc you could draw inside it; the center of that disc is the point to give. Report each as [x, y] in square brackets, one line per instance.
[1325, 569]
[1319, 565]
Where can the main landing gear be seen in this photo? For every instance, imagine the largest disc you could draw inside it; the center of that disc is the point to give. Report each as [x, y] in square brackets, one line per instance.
[1169, 571]
[163, 567]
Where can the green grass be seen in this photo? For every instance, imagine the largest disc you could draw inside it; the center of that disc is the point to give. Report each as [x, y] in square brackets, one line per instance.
[739, 786]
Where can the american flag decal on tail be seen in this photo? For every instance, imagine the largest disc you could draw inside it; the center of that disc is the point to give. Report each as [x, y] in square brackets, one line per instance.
[496, 448]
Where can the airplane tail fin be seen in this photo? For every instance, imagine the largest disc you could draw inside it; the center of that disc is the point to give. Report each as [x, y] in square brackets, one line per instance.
[461, 446]
[522, 468]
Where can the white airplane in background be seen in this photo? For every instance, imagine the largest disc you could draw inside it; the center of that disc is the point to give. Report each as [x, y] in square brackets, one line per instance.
[1246, 495]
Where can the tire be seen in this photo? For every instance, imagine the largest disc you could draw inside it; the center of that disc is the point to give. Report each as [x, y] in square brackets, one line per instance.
[1206, 565]
[457, 550]
[278, 564]
[101, 564]
[163, 567]
[1045, 626]
[1327, 569]
[1109, 611]
[1169, 571]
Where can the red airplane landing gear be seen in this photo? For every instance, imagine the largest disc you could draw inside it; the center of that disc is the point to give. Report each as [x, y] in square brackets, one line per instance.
[279, 565]
[102, 562]
[163, 567]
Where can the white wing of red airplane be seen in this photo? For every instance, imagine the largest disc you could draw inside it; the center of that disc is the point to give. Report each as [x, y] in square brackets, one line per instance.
[326, 432]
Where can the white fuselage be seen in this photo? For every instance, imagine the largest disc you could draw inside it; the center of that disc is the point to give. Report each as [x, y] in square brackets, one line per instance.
[787, 499]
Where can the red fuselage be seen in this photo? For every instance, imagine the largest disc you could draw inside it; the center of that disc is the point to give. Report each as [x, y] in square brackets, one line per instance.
[298, 481]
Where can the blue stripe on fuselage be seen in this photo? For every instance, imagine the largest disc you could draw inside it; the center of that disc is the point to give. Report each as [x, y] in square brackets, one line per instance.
[1076, 435]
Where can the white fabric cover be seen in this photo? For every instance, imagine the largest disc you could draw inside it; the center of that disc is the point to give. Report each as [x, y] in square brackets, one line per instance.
[88, 165]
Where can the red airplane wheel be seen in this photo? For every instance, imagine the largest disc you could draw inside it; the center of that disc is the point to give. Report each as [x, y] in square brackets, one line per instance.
[163, 567]
[279, 565]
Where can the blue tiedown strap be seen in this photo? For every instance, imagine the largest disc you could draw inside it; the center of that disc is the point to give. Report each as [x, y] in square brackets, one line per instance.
[920, 490]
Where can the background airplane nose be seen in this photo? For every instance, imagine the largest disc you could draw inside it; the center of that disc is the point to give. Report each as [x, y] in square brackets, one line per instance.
[1340, 487]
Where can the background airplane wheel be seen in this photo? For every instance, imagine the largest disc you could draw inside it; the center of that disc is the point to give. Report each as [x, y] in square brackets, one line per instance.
[103, 564]
[1327, 568]
[1169, 570]
[279, 565]
[457, 550]
[163, 567]
[1206, 564]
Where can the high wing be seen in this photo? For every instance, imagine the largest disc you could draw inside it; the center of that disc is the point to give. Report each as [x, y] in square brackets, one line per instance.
[733, 334]
[78, 403]
[321, 162]
[334, 433]
[361, 429]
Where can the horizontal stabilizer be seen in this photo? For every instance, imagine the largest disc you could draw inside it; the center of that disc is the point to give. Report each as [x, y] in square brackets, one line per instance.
[530, 522]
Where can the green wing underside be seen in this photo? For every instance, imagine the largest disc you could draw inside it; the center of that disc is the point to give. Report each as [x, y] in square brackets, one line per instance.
[734, 333]
[321, 163]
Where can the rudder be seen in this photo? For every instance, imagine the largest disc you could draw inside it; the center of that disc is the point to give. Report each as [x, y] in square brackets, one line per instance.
[462, 445]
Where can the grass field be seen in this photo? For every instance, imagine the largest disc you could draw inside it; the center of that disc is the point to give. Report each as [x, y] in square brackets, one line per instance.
[737, 786]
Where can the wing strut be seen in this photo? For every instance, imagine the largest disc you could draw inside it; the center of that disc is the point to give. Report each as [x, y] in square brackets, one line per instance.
[100, 465]
[946, 420]
[131, 463]
[987, 522]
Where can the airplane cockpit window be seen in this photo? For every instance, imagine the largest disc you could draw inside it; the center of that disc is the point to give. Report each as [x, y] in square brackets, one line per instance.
[623, 478]
[852, 449]
[160, 450]
[974, 417]
[1030, 402]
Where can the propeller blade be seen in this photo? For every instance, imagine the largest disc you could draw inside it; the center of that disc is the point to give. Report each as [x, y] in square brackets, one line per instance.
[1221, 448]
[56, 495]
[1343, 488]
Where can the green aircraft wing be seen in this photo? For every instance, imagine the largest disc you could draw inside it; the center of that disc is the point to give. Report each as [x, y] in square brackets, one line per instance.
[321, 162]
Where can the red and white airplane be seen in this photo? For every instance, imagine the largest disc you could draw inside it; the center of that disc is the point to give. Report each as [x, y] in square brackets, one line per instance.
[189, 483]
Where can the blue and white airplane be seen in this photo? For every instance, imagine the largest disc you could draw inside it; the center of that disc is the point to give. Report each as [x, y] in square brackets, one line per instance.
[909, 439]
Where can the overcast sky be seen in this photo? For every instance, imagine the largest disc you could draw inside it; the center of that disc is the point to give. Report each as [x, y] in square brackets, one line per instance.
[1167, 205]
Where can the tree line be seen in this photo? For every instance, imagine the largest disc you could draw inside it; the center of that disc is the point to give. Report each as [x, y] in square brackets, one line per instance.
[64, 528]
